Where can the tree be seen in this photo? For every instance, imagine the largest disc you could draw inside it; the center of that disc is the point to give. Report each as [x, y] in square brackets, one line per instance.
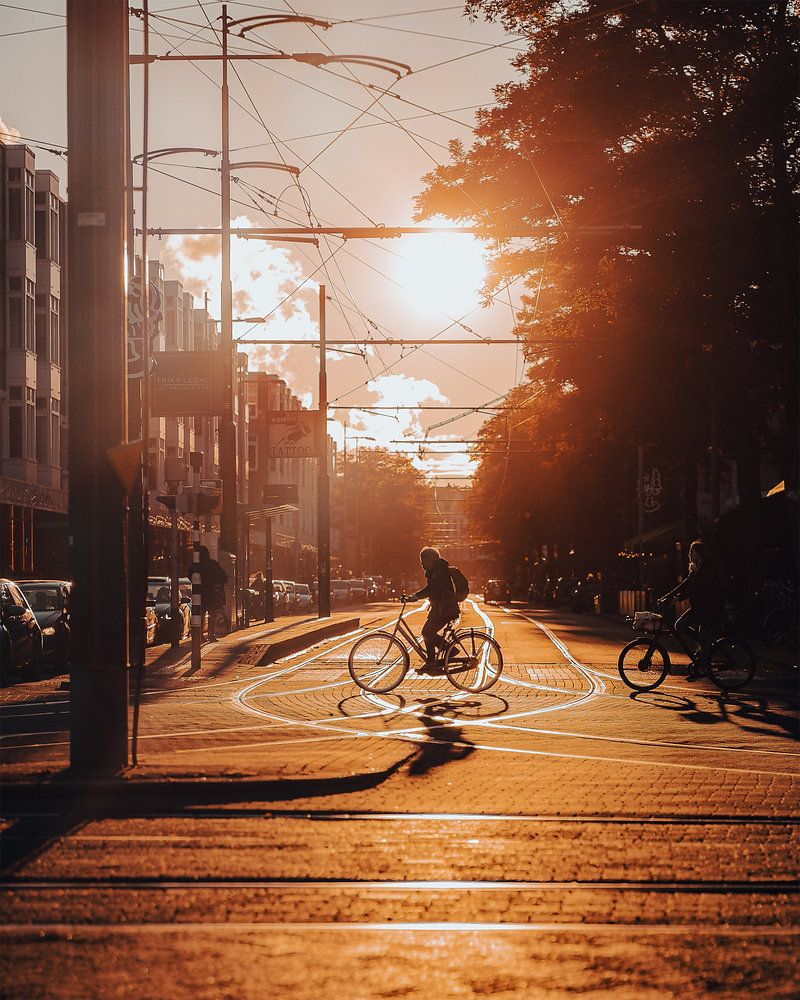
[679, 121]
[380, 504]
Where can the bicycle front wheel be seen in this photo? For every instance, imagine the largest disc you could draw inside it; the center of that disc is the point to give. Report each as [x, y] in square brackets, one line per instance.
[473, 661]
[378, 662]
[643, 664]
[732, 664]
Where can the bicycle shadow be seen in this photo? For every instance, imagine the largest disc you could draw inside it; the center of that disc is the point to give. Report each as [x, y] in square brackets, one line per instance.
[734, 709]
[443, 742]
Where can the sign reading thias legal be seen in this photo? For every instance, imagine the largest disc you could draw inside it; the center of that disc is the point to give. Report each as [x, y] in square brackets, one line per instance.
[186, 383]
[293, 433]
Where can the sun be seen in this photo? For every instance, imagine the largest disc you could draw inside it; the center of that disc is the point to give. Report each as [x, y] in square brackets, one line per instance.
[442, 273]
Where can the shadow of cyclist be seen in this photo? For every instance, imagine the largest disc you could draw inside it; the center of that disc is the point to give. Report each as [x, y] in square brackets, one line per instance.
[444, 742]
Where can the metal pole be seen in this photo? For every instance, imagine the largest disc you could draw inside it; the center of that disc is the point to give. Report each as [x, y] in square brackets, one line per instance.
[197, 607]
[269, 604]
[139, 567]
[323, 483]
[227, 431]
[97, 61]
[174, 609]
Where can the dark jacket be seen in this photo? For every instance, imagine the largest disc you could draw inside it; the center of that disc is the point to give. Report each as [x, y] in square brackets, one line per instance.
[212, 583]
[701, 588]
[440, 590]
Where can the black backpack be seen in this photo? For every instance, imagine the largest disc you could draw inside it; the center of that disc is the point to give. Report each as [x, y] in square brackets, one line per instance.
[460, 583]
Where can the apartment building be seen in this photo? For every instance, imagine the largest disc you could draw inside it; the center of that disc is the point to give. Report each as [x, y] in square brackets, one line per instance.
[294, 535]
[33, 368]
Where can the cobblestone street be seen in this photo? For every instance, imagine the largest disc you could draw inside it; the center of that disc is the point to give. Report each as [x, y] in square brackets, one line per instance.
[287, 834]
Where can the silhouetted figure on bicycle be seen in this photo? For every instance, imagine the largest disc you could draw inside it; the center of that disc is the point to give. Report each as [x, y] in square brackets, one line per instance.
[701, 587]
[441, 592]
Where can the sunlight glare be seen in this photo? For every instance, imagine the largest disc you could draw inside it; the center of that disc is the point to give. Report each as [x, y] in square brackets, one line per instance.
[442, 273]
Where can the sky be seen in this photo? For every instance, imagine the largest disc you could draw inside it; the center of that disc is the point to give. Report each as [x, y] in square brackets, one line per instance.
[362, 154]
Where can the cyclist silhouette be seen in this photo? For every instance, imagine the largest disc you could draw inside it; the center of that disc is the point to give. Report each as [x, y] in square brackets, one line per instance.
[441, 592]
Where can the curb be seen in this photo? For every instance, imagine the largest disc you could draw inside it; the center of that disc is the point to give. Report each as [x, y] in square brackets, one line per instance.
[269, 652]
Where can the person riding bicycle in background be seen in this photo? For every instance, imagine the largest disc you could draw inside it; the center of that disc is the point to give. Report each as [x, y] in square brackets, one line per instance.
[441, 592]
[701, 587]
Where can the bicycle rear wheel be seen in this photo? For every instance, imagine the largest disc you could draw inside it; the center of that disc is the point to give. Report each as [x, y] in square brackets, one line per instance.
[643, 664]
[732, 664]
[473, 661]
[378, 662]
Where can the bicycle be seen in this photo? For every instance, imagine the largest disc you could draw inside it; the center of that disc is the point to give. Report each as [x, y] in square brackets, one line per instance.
[379, 661]
[731, 664]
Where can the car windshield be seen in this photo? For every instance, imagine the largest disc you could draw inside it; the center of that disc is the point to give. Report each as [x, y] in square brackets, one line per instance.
[357, 583]
[302, 588]
[340, 585]
[43, 598]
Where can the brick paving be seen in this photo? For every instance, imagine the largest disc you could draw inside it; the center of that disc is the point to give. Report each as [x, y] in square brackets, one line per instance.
[563, 836]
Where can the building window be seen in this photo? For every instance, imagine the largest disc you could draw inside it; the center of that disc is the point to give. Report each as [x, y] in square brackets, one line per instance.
[15, 432]
[55, 434]
[15, 319]
[42, 316]
[42, 451]
[30, 211]
[30, 315]
[55, 222]
[30, 422]
[41, 230]
[252, 453]
[14, 212]
[55, 331]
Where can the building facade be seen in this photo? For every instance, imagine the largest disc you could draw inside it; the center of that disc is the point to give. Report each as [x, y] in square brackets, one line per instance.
[33, 368]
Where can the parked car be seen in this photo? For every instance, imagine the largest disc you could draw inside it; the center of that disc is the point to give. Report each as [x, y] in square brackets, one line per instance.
[20, 634]
[304, 599]
[159, 598]
[280, 598]
[496, 592]
[291, 595]
[49, 601]
[358, 591]
[340, 592]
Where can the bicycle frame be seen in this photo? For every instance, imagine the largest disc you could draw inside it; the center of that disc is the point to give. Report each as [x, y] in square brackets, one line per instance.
[665, 630]
[404, 629]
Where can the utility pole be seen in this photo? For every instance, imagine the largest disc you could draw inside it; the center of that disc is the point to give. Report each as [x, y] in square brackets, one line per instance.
[227, 431]
[97, 94]
[323, 482]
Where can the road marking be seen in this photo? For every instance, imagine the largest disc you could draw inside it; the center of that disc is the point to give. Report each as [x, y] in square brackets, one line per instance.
[95, 930]
[712, 886]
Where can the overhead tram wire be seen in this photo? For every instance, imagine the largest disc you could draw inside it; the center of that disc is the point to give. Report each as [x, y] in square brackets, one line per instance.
[384, 92]
[324, 180]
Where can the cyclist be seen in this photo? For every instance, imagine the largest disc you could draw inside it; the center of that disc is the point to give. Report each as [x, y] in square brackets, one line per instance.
[705, 603]
[441, 592]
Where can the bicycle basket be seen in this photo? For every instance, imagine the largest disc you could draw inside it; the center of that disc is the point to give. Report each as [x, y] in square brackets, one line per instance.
[647, 621]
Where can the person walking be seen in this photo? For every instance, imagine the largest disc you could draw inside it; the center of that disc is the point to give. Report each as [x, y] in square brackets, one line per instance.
[212, 589]
[440, 591]
[701, 587]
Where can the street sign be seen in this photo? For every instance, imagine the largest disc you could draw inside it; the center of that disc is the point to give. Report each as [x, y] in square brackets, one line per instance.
[279, 493]
[293, 433]
[190, 502]
[126, 459]
[186, 384]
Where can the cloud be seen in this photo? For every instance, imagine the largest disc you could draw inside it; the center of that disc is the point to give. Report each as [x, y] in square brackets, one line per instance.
[8, 134]
[264, 278]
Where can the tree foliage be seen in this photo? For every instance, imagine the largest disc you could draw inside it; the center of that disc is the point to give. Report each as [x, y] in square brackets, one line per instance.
[381, 506]
[655, 145]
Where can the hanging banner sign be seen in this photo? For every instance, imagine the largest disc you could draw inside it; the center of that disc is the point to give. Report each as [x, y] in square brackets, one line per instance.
[293, 433]
[135, 325]
[186, 384]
